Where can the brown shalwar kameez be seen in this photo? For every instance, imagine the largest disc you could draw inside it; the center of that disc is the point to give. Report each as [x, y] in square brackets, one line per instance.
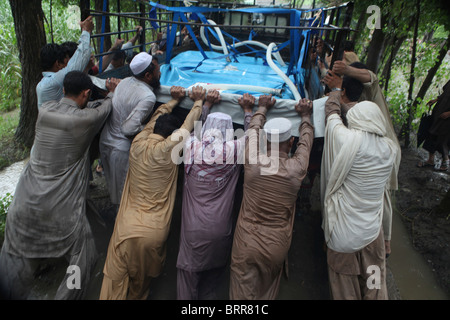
[137, 249]
[264, 228]
[352, 276]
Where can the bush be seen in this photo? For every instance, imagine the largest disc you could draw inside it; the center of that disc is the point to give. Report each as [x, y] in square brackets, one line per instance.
[4, 206]
[10, 73]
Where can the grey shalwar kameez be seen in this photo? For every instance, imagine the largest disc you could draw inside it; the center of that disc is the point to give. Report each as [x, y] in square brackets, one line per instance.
[133, 103]
[47, 218]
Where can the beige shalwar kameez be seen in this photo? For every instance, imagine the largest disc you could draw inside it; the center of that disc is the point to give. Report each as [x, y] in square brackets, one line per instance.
[137, 249]
[356, 168]
[264, 228]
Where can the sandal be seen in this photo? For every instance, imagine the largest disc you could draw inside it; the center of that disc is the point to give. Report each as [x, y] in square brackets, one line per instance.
[424, 164]
[444, 165]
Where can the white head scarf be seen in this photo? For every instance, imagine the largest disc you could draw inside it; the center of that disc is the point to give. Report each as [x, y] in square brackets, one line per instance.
[216, 128]
[363, 117]
[366, 116]
[215, 149]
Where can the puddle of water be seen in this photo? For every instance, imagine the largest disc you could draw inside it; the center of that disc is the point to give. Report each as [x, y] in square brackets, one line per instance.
[413, 275]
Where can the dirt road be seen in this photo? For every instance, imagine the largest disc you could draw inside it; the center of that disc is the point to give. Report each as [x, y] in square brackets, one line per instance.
[420, 192]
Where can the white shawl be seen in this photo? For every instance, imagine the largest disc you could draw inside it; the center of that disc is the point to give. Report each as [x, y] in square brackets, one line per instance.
[356, 164]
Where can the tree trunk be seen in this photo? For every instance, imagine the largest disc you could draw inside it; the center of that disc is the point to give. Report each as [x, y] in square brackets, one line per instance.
[30, 33]
[359, 24]
[412, 111]
[431, 73]
[386, 74]
[376, 48]
[398, 39]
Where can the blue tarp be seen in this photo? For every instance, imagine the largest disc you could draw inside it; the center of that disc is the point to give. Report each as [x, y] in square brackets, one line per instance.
[189, 68]
[298, 44]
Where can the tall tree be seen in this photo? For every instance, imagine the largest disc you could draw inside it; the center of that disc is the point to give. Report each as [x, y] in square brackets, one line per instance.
[378, 43]
[30, 33]
[102, 5]
[386, 74]
[411, 109]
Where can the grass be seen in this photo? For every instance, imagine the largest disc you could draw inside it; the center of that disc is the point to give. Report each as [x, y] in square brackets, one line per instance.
[10, 72]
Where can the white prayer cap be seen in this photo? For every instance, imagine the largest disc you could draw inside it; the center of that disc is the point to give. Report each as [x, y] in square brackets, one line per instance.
[140, 62]
[280, 127]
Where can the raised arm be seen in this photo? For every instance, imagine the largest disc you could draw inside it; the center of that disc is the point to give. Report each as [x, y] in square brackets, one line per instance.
[247, 102]
[212, 98]
[136, 36]
[127, 47]
[106, 59]
[341, 68]
[333, 105]
[177, 93]
[82, 55]
[306, 135]
[197, 94]
[265, 103]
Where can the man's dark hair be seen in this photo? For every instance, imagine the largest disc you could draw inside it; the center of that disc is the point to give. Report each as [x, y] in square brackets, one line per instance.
[75, 82]
[166, 124]
[118, 55]
[69, 48]
[353, 88]
[359, 65]
[49, 54]
[349, 46]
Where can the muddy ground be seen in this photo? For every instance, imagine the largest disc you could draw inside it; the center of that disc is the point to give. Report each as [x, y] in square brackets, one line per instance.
[418, 201]
[424, 204]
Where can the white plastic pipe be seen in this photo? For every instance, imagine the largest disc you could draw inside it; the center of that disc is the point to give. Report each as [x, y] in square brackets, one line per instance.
[276, 55]
[221, 39]
[243, 87]
[286, 79]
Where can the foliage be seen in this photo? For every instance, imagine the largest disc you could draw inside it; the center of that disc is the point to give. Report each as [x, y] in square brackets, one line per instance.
[57, 21]
[396, 94]
[433, 30]
[5, 202]
[434, 25]
[10, 72]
